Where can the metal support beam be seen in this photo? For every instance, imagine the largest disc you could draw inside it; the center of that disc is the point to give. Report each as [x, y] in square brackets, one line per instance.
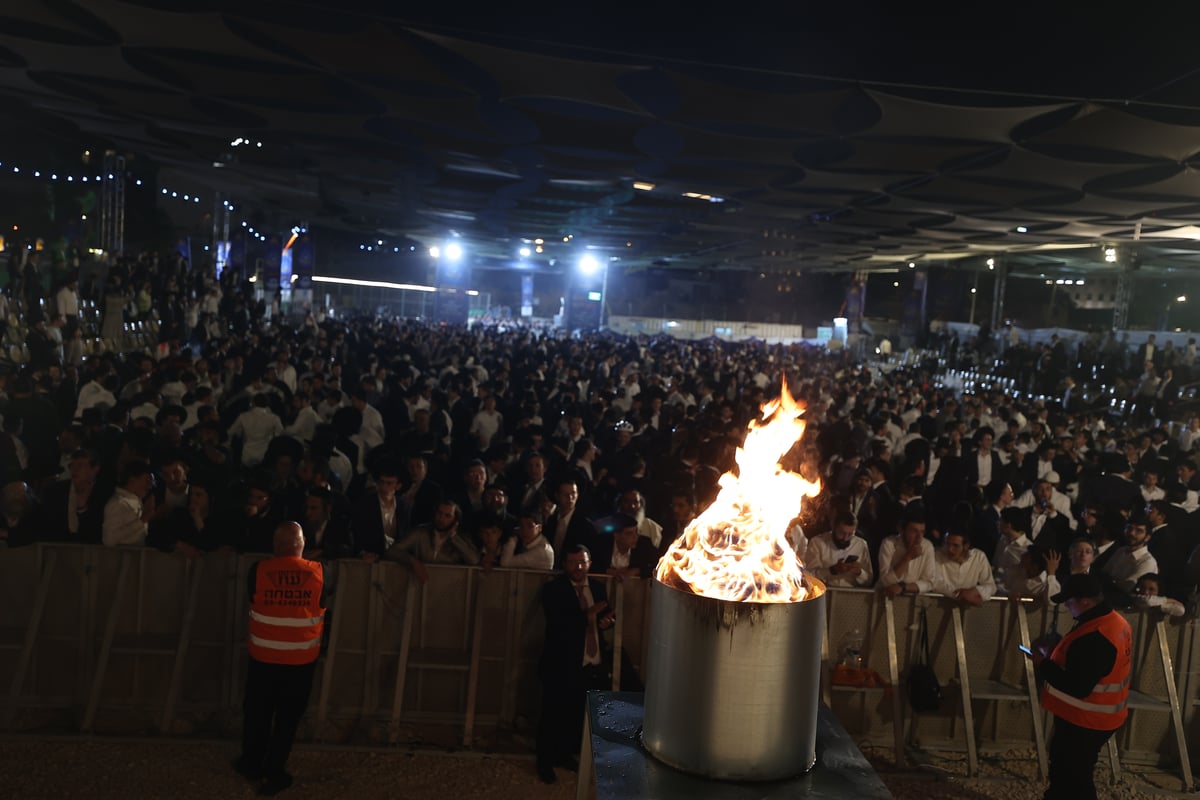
[112, 203]
[1124, 290]
[999, 287]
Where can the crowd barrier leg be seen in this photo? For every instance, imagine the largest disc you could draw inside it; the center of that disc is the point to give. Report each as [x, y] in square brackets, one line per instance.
[1039, 732]
[106, 645]
[1174, 698]
[327, 670]
[964, 685]
[1168, 667]
[889, 615]
[410, 605]
[1114, 761]
[376, 619]
[31, 633]
[426, 658]
[195, 571]
[512, 673]
[233, 593]
[473, 670]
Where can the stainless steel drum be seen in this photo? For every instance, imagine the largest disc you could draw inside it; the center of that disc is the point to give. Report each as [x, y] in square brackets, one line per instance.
[732, 689]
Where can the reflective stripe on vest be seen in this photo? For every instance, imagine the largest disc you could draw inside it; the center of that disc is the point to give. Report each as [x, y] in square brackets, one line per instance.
[1106, 706]
[275, 645]
[286, 618]
[287, 622]
[1084, 705]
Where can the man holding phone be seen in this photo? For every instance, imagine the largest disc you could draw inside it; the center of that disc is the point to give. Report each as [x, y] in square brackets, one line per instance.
[1085, 686]
[840, 557]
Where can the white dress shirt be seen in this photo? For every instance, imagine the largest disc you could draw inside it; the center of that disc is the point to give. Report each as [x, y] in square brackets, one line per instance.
[1129, 564]
[537, 555]
[257, 427]
[305, 424]
[920, 569]
[823, 552]
[123, 523]
[974, 573]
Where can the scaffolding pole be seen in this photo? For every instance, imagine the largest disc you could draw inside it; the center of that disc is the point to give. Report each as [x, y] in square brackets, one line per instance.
[112, 203]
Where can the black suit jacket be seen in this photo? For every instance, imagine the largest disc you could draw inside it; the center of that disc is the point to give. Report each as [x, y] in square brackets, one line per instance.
[337, 541]
[972, 466]
[367, 525]
[1113, 492]
[53, 515]
[643, 556]
[579, 531]
[1171, 550]
[566, 630]
[1055, 532]
[424, 503]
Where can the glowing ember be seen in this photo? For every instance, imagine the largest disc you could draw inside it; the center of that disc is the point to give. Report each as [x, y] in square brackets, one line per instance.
[738, 549]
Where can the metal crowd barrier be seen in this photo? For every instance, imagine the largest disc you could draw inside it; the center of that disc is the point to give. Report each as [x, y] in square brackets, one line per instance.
[112, 639]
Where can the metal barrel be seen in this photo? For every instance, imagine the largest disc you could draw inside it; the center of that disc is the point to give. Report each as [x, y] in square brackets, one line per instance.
[732, 689]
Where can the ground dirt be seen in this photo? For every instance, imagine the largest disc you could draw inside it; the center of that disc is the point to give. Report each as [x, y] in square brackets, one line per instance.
[100, 768]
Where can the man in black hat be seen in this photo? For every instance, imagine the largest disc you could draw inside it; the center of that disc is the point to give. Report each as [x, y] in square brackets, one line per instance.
[1085, 686]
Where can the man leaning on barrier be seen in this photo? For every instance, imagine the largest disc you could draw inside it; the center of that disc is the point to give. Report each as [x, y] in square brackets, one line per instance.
[1085, 686]
[287, 617]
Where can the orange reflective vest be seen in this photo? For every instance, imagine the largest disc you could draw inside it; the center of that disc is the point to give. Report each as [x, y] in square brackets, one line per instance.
[1104, 709]
[286, 618]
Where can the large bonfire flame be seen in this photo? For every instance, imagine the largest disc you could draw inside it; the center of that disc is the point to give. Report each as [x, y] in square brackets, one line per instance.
[738, 549]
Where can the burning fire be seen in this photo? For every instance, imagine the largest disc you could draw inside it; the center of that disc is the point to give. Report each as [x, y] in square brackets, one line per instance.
[738, 549]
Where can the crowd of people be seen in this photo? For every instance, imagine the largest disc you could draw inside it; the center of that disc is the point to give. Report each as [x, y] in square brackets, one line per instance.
[576, 454]
[392, 439]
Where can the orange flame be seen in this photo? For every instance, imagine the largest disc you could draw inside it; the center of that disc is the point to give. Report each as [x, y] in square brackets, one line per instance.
[738, 549]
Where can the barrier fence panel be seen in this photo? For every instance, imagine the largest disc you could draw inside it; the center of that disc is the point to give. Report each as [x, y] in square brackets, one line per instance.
[136, 640]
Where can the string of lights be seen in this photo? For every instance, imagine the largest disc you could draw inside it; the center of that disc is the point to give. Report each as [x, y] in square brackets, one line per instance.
[164, 191]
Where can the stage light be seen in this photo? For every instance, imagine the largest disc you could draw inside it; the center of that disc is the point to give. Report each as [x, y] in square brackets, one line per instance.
[524, 251]
[588, 264]
[435, 252]
[453, 252]
[991, 262]
[643, 186]
[1022, 229]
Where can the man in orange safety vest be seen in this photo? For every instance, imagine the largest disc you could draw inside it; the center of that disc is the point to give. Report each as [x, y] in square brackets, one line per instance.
[1085, 685]
[287, 617]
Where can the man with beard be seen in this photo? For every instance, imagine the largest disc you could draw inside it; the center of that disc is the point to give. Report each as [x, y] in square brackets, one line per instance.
[839, 557]
[438, 543]
[633, 503]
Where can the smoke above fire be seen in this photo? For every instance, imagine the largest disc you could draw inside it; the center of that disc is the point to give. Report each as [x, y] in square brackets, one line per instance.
[737, 549]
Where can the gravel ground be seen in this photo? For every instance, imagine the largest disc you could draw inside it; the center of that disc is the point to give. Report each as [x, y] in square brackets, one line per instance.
[99, 769]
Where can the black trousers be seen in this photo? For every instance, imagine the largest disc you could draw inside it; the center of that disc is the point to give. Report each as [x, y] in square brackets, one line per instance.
[564, 701]
[1073, 754]
[276, 697]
